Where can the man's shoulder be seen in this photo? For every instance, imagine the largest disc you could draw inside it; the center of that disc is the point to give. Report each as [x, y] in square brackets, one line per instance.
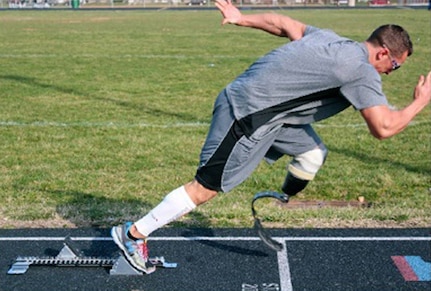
[310, 29]
[352, 57]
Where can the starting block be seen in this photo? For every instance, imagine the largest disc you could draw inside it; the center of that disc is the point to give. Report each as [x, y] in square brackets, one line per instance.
[68, 258]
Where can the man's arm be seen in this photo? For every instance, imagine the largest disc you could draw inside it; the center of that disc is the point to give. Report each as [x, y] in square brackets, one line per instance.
[384, 122]
[276, 24]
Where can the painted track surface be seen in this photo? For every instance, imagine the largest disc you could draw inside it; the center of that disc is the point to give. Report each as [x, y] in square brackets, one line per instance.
[232, 260]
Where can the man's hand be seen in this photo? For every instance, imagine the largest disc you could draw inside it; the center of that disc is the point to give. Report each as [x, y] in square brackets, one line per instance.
[272, 23]
[230, 13]
[423, 89]
[384, 122]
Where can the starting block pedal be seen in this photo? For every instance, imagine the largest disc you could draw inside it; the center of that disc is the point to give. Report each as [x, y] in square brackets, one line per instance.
[123, 267]
[68, 258]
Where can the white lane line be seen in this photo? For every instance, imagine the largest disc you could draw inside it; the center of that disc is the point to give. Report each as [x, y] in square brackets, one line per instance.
[399, 238]
[227, 238]
[284, 269]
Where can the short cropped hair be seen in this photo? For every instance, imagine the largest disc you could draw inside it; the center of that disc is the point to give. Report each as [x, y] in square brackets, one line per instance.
[394, 37]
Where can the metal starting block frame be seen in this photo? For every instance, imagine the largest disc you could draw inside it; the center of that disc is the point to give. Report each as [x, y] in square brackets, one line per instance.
[68, 258]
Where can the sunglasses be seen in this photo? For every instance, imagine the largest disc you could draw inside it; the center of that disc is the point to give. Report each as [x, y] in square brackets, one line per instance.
[395, 65]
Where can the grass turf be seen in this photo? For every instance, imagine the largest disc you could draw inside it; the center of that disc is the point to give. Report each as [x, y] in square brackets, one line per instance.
[104, 112]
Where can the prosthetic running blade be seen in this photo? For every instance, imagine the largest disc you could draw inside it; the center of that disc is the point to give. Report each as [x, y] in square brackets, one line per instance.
[263, 234]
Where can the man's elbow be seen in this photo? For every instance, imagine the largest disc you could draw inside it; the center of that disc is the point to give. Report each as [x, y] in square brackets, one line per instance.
[380, 134]
[380, 137]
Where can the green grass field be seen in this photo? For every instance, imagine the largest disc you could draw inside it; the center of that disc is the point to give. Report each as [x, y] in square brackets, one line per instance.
[104, 112]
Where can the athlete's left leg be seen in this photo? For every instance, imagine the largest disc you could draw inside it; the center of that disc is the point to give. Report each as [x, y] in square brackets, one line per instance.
[308, 152]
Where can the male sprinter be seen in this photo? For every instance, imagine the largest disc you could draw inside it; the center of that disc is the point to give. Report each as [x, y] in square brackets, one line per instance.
[268, 110]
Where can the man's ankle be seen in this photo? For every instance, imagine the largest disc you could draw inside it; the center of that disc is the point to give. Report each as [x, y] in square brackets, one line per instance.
[134, 234]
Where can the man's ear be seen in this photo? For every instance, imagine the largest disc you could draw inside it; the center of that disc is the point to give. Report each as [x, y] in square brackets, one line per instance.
[382, 52]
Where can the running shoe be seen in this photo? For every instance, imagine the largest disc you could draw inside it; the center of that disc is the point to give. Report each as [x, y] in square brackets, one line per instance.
[136, 252]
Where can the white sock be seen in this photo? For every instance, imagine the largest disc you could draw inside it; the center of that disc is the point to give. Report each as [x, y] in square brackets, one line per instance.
[173, 206]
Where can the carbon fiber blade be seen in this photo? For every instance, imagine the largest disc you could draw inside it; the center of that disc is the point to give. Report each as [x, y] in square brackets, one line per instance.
[263, 234]
[265, 237]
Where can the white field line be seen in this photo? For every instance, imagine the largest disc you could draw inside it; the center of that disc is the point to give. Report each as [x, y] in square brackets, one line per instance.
[229, 238]
[120, 56]
[100, 124]
[154, 125]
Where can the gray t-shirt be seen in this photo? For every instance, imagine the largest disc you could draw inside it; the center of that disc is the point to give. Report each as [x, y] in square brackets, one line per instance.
[305, 81]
